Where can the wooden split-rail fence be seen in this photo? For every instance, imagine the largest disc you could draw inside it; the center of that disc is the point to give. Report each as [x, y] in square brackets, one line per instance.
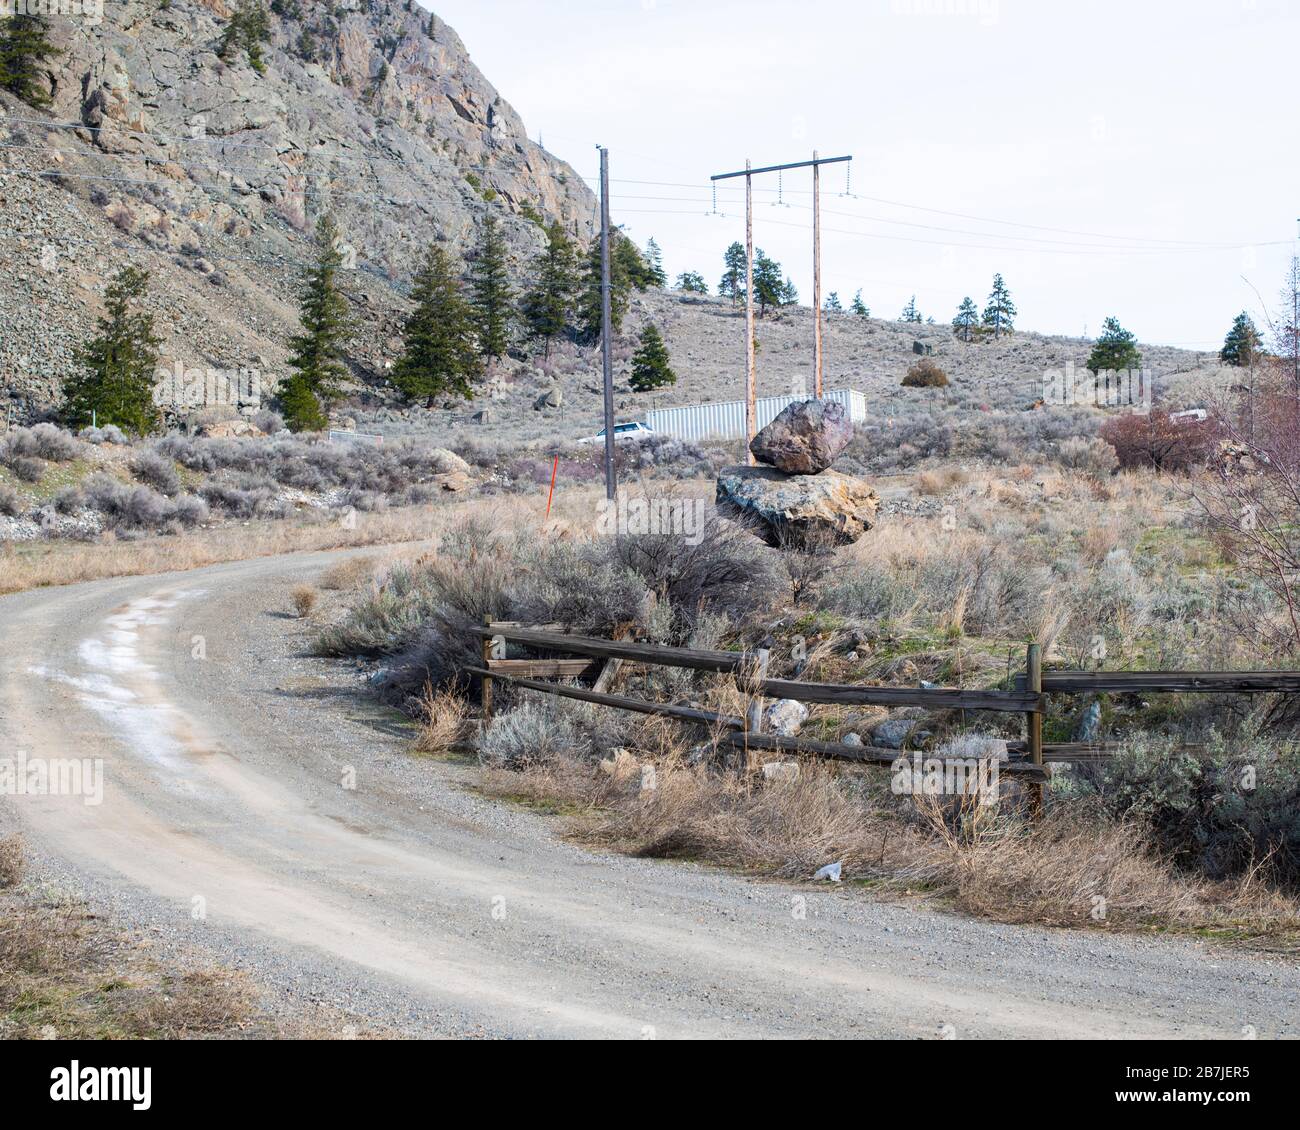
[603, 661]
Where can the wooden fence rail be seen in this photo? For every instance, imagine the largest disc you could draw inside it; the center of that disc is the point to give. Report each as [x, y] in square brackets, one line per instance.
[1029, 696]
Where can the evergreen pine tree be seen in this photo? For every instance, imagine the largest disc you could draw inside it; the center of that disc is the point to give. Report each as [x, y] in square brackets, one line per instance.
[491, 293]
[967, 319]
[248, 29]
[651, 365]
[548, 305]
[789, 293]
[1000, 313]
[440, 347]
[910, 312]
[1116, 350]
[626, 270]
[733, 280]
[833, 304]
[769, 287]
[316, 354]
[692, 282]
[654, 258]
[860, 308]
[1242, 345]
[119, 366]
[24, 46]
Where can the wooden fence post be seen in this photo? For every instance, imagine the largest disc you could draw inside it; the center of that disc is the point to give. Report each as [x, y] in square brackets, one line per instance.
[487, 666]
[1034, 720]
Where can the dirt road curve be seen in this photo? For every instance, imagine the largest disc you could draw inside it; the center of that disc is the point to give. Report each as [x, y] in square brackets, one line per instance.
[413, 901]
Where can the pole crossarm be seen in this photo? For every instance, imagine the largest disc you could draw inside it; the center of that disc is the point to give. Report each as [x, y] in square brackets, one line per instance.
[783, 168]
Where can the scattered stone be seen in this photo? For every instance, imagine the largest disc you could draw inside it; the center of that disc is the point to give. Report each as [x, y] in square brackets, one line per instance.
[785, 718]
[786, 772]
[893, 734]
[853, 740]
[806, 438]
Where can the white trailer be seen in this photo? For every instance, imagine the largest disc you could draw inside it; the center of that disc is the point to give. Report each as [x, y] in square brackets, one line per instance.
[727, 419]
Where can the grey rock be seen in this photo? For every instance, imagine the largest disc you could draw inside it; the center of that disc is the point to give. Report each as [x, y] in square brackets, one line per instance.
[786, 718]
[806, 438]
[893, 734]
[801, 510]
[853, 740]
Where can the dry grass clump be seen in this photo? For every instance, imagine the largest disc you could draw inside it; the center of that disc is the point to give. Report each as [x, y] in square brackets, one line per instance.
[925, 374]
[443, 721]
[11, 862]
[304, 600]
[347, 575]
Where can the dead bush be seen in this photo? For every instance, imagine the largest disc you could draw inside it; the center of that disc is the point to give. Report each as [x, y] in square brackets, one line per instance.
[925, 374]
[12, 861]
[304, 600]
[442, 720]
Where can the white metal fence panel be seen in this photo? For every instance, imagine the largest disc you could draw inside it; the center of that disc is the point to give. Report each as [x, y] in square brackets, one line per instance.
[352, 438]
[726, 420]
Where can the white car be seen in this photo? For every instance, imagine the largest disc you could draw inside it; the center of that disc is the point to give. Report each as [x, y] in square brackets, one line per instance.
[637, 431]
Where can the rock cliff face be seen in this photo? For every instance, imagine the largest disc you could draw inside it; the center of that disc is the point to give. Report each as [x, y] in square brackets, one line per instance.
[211, 172]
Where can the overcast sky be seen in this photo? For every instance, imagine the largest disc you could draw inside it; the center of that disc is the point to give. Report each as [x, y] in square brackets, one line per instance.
[1156, 139]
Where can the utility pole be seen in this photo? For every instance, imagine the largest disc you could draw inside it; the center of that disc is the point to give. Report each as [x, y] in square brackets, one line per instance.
[817, 274]
[751, 372]
[607, 328]
[749, 173]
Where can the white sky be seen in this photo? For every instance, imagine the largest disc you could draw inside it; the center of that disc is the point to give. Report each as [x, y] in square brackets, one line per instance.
[1130, 123]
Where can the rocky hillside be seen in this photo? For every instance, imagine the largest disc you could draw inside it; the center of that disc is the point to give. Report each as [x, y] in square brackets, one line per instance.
[211, 173]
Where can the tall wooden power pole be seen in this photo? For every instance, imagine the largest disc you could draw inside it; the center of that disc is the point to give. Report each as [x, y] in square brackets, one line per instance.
[751, 381]
[607, 328]
[817, 274]
[751, 373]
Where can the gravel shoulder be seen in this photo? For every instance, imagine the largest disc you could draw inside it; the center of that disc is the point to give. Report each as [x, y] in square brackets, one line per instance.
[256, 804]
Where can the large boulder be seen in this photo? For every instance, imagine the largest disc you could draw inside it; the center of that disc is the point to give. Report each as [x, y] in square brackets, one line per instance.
[804, 511]
[806, 438]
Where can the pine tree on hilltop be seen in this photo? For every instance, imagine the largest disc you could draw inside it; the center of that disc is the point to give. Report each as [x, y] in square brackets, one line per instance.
[490, 292]
[1116, 350]
[549, 304]
[316, 354]
[1241, 347]
[733, 280]
[1000, 314]
[440, 351]
[119, 366]
[833, 304]
[24, 46]
[789, 293]
[654, 258]
[769, 286]
[692, 282]
[910, 312]
[859, 307]
[651, 365]
[967, 319]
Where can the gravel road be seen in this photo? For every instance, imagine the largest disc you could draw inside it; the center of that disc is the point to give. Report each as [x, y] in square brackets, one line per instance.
[258, 805]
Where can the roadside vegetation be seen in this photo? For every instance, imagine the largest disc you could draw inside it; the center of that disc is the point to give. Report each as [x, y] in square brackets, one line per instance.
[68, 973]
[1102, 559]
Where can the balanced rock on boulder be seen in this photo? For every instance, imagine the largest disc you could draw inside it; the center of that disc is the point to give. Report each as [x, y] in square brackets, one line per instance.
[799, 510]
[806, 438]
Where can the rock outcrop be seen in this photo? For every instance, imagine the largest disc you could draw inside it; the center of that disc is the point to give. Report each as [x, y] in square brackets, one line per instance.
[802, 511]
[806, 438]
[211, 173]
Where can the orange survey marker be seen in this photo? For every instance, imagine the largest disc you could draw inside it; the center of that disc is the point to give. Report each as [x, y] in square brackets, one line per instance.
[554, 468]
